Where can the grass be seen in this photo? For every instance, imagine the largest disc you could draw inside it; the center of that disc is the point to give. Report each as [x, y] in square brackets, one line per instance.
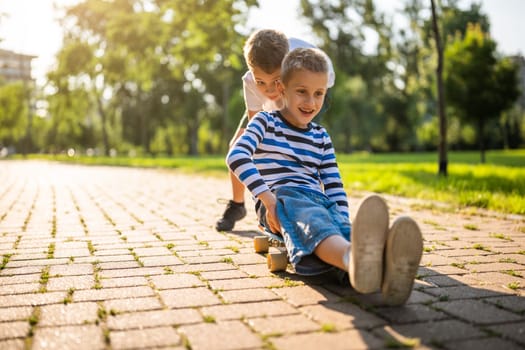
[328, 328]
[498, 185]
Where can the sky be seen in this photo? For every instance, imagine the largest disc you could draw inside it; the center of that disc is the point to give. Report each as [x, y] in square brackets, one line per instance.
[30, 26]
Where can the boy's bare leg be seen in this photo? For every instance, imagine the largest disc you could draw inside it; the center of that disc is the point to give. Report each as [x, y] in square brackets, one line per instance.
[237, 189]
[235, 209]
[334, 250]
[237, 185]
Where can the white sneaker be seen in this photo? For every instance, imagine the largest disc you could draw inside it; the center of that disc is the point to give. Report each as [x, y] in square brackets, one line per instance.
[369, 230]
[403, 251]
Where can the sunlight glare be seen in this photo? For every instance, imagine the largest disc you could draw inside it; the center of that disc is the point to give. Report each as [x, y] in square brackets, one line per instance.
[30, 27]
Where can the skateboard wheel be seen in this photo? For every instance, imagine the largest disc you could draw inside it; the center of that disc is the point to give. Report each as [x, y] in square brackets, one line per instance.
[261, 244]
[277, 261]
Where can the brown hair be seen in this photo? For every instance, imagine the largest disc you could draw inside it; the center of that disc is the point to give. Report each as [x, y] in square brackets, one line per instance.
[312, 60]
[265, 49]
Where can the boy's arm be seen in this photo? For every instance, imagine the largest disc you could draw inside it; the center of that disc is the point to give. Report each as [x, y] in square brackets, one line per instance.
[331, 178]
[239, 158]
[240, 161]
[250, 95]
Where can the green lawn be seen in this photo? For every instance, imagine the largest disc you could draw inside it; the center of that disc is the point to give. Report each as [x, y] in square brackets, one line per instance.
[499, 184]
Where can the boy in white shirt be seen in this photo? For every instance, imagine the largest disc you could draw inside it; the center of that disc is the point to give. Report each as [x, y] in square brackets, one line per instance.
[263, 51]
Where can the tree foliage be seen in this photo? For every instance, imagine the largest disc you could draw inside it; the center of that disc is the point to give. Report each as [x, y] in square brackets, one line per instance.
[164, 77]
[152, 70]
[13, 113]
[479, 86]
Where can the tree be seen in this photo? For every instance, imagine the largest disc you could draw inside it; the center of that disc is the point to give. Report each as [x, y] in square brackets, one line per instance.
[340, 27]
[158, 68]
[478, 85]
[72, 103]
[13, 109]
[81, 71]
[455, 20]
[202, 39]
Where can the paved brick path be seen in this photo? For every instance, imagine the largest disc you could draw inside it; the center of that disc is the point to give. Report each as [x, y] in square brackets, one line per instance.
[116, 258]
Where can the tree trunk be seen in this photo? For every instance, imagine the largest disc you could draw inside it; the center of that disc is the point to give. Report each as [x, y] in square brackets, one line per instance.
[348, 138]
[193, 138]
[443, 162]
[481, 132]
[103, 121]
[226, 111]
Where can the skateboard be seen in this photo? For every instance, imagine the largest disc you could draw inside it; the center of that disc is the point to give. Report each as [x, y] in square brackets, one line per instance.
[277, 259]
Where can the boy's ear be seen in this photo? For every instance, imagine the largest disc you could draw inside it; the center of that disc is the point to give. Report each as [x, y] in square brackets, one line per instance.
[280, 86]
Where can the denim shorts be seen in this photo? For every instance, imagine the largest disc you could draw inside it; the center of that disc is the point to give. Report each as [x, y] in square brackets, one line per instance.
[306, 219]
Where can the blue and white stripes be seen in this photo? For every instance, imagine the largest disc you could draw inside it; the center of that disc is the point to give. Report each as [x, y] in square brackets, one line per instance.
[273, 153]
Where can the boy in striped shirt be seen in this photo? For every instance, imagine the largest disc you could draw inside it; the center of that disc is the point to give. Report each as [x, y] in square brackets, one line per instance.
[264, 51]
[288, 164]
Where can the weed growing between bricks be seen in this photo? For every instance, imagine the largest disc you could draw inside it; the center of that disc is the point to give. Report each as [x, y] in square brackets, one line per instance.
[471, 227]
[5, 260]
[69, 297]
[44, 278]
[102, 316]
[30, 212]
[54, 210]
[136, 257]
[51, 251]
[96, 275]
[500, 236]
[122, 236]
[91, 248]
[480, 246]
[158, 236]
[33, 322]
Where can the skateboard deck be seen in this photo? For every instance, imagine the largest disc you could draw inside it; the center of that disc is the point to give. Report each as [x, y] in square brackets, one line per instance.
[277, 259]
[276, 239]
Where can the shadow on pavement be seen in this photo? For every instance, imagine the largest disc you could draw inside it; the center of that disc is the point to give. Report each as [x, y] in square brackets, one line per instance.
[443, 312]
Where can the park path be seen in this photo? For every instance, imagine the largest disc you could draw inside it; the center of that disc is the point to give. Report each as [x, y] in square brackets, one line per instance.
[122, 258]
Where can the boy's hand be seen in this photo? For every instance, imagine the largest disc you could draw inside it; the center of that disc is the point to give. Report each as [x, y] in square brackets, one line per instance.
[272, 220]
[269, 201]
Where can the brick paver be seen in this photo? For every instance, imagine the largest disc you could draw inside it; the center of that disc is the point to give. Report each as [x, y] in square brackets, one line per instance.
[119, 258]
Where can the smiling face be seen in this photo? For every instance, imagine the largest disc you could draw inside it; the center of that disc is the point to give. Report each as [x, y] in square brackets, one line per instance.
[267, 82]
[304, 96]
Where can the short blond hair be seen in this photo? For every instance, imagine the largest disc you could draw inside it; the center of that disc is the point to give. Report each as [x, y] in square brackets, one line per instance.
[303, 59]
[265, 49]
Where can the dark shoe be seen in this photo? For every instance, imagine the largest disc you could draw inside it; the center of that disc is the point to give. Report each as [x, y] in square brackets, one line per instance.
[234, 212]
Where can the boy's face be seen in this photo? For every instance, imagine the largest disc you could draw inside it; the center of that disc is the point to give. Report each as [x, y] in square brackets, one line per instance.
[304, 97]
[266, 82]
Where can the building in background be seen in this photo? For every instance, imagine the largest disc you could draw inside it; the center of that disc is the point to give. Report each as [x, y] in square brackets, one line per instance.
[15, 66]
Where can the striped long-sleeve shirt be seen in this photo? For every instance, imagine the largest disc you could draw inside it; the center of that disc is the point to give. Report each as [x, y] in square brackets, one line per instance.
[273, 153]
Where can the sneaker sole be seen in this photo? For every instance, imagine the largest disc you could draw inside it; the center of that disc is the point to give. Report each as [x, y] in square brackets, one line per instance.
[404, 248]
[369, 231]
